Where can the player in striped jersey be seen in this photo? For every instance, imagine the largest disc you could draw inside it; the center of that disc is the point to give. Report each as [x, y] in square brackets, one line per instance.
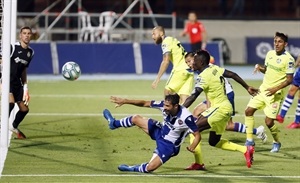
[169, 135]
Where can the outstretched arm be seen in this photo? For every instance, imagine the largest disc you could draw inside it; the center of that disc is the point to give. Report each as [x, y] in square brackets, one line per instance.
[162, 69]
[195, 142]
[229, 74]
[192, 125]
[190, 100]
[120, 101]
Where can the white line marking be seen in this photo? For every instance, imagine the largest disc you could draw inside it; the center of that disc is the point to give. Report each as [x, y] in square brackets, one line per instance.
[117, 114]
[107, 96]
[94, 96]
[149, 175]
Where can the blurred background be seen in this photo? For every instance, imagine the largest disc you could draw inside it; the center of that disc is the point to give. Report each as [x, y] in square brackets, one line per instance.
[106, 35]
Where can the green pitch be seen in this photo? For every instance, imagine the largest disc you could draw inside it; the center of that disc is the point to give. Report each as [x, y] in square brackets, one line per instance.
[68, 140]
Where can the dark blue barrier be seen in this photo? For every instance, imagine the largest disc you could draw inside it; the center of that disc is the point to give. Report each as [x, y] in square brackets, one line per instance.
[103, 58]
[97, 57]
[152, 57]
[42, 59]
[258, 47]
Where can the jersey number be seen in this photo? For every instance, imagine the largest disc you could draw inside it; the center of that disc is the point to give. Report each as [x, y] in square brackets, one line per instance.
[181, 47]
[222, 80]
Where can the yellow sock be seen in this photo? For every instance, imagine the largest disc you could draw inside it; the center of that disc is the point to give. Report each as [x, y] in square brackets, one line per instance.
[198, 153]
[249, 122]
[275, 133]
[227, 145]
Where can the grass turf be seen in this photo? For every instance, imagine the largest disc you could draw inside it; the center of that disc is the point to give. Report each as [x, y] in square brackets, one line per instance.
[69, 140]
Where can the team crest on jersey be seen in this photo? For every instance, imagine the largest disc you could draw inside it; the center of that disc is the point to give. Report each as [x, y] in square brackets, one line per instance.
[180, 122]
[28, 54]
[278, 60]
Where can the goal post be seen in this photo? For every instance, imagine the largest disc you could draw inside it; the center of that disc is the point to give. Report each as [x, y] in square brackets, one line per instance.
[5, 46]
[13, 24]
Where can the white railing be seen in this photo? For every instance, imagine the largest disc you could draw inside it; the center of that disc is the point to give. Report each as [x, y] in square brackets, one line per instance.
[49, 25]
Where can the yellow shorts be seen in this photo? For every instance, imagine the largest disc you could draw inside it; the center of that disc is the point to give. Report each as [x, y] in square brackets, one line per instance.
[218, 117]
[180, 82]
[270, 105]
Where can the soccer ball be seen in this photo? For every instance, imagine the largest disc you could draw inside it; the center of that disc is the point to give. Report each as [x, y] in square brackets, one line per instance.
[71, 71]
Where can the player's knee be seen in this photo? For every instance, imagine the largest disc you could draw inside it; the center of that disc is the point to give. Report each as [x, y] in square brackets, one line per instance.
[269, 122]
[25, 111]
[150, 168]
[24, 108]
[249, 111]
[230, 126]
[135, 118]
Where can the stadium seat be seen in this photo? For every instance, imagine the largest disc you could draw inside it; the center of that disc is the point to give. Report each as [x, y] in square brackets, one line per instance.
[87, 30]
[106, 20]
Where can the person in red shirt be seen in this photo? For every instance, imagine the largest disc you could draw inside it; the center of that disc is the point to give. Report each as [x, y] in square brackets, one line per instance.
[196, 31]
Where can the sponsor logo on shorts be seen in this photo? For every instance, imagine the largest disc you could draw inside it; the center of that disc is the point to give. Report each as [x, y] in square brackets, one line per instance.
[274, 105]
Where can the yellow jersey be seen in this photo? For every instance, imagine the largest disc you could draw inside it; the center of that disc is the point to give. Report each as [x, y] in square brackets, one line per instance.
[278, 66]
[172, 46]
[212, 82]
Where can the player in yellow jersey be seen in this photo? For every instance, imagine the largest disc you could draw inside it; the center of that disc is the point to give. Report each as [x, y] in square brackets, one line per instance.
[211, 81]
[231, 126]
[278, 73]
[180, 80]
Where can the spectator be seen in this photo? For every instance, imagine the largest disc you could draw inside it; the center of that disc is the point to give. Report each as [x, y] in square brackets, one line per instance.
[196, 31]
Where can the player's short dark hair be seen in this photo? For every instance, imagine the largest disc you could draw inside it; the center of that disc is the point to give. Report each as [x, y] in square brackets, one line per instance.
[173, 98]
[25, 27]
[203, 55]
[283, 36]
[189, 54]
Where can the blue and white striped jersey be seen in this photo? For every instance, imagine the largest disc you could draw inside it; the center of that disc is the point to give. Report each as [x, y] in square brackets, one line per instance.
[176, 128]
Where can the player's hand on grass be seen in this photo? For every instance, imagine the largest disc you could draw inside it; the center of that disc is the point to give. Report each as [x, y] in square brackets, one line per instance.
[252, 91]
[117, 100]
